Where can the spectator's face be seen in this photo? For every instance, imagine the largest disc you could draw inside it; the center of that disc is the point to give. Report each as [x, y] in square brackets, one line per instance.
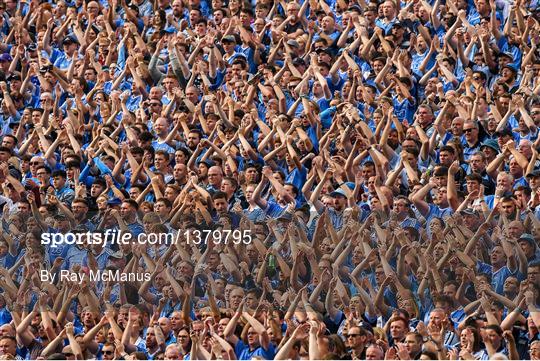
[354, 338]
[534, 350]
[413, 346]
[470, 221]
[535, 114]
[471, 132]
[180, 172]
[533, 275]
[327, 24]
[497, 255]
[524, 148]
[79, 209]
[160, 161]
[515, 229]
[379, 275]
[193, 140]
[186, 269]
[35, 163]
[172, 353]
[236, 297]
[374, 353]
[251, 300]
[397, 330]
[183, 338]
[478, 165]
[435, 226]
[155, 108]
[377, 66]
[507, 208]
[504, 181]
[161, 208]
[511, 285]
[8, 346]
[176, 321]
[522, 198]
[534, 182]
[425, 116]
[446, 158]
[161, 125]
[126, 210]
[59, 182]
[215, 176]
[194, 16]
[457, 126]
[494, 337]
[449, 290]
[165, 325]
[221, 205]
[96, 189]
[388, 10]
[252, 337]
[108, 352]
[150, 338]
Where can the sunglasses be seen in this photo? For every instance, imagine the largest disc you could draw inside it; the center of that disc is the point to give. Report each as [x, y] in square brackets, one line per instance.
[108, 352]
[468, 130]
[35, 163]
[69, 354]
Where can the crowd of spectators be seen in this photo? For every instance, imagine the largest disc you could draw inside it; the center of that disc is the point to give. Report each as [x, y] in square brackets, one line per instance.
[342, 179]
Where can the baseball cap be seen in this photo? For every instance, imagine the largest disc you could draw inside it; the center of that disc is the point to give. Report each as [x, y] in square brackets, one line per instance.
[299, 61]
[209, 163]
[293, 43]
[470, 212]
[491, 143]
[118, 254]
[325, 50]
[366, 326]
[70, 39]
[5, 57]
[535, 173]
[504, 132]
[528, 238]
[170, 29]
[338, 192]
[507, 55]
[114, 202]
[512, 68]
[14, 76]
[285, 216]
[411, 223]
[229, 39]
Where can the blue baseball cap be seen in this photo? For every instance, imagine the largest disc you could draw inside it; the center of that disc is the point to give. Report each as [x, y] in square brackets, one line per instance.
[491, 143]
[411, 223]
[338, 193]
[114, 202]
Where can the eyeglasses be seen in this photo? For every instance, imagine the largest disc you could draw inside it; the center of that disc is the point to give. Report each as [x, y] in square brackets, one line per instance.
[155, 104]
[468, 130]
[35, 163]
[108, 352]
[535, 113]
[352, 335]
